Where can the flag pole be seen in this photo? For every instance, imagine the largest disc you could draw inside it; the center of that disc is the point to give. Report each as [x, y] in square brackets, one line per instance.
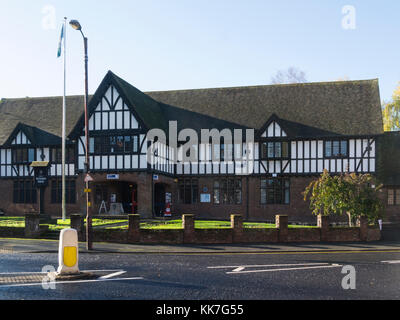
[63, 209]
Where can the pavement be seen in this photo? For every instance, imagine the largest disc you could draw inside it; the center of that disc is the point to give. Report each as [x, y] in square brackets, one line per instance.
[11, 246]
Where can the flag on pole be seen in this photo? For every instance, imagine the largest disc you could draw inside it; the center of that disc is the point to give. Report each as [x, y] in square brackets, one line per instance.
[61, 41]
[63, 38]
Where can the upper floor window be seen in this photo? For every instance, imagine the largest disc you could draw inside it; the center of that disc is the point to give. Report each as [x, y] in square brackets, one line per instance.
[114, 144]
[56, 155]
[336, 148]
[273, 150]
[23, 155]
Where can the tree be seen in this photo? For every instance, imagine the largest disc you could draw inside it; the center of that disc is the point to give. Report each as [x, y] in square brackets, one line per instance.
[350, 194]
[291, 75]
[391, 111]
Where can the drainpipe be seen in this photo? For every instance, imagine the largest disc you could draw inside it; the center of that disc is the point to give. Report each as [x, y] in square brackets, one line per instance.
[247, 198]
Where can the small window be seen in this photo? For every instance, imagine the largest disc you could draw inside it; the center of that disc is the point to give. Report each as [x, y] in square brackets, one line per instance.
[31, 155]
[275, 150]
[335, 148]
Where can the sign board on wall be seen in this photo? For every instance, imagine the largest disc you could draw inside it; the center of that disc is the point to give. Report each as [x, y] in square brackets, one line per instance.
[113, 177]
[205, 197]
[168, 197]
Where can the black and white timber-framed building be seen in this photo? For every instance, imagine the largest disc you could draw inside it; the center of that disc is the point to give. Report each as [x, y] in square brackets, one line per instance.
[299, 130]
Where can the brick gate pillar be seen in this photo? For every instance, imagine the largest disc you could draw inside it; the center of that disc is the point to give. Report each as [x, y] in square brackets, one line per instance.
[237, 227]
[134, 228]
[323, 225]
[188, 228]
[281, 222]
[32, 225]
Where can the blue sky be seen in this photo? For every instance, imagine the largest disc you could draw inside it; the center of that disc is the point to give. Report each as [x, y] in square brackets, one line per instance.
[178, 44]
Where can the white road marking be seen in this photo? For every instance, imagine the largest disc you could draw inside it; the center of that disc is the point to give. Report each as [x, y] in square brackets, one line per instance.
[239, 269]
[391, 261]
[268, 265]
[276, 267]
[286, 269]
[5, 273]
[112, 275]
[40, 272]
[68, 282]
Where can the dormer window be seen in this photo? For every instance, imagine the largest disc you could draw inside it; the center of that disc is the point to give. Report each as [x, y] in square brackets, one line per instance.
[23, 155]
[275, 150]
[102, 145]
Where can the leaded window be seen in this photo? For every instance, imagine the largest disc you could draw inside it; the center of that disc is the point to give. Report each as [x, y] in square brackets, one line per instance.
[188, 191]
[24, 192]
[275, 191]
[228, 191]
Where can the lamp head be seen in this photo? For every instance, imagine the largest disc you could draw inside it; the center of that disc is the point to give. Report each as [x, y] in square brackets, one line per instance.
[75, 24]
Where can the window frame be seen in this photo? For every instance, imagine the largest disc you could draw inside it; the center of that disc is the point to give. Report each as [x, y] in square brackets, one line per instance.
[283, 188]
[56, 191]
[265, 147]
[396, 197]
[233, 187]
[191, 184]
[335, 156]
[21, 189]
[102, 144]
[20, 155]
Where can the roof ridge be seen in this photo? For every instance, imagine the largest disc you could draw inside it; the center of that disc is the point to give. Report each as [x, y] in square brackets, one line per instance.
[37, 98]
[271, 85]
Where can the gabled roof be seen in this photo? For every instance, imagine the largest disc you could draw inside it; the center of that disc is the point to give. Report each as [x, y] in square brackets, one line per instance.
[152, 114]
[341, 107]
[295, 129]
[347, 108]
[43, 113]
[36, 136]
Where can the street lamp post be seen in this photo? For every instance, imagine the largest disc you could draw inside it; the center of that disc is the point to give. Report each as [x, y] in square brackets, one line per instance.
[76, 25]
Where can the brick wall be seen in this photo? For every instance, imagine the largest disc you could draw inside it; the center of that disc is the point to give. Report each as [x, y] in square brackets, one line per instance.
[237, 234]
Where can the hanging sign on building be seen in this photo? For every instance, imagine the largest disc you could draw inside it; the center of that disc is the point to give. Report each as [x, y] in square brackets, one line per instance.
[41, 171]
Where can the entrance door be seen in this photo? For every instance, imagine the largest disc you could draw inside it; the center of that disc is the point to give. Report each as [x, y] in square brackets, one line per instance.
[159, 199]
[129, 198]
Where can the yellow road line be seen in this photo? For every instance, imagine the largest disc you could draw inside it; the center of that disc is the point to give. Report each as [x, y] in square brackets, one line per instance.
[276, 253]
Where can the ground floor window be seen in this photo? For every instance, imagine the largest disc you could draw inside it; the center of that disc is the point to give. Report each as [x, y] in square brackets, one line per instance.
[56, 191]
[275, 191]
[24, 192]
[228, 191]
[188, 191]
[393, 197]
